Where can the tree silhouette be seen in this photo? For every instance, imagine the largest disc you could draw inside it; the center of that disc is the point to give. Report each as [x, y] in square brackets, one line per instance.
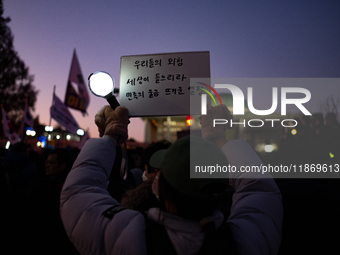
[15, 80]
[331, 104]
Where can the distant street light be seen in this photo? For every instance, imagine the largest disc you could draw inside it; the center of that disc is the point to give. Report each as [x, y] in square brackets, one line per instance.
[80, 132]
[189, 120]
[268, 148]
[30, 132]
[48, 128]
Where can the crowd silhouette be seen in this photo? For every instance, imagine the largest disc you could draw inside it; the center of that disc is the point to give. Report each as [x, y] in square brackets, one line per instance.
[311, 204]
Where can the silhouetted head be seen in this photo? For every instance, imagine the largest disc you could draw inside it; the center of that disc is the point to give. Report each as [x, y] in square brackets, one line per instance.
[58, 162]
[331, 118]
[191, 198]
[149, 171]
[318, 119]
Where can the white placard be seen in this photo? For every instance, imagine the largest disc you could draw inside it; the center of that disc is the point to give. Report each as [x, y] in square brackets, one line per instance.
[159, 84]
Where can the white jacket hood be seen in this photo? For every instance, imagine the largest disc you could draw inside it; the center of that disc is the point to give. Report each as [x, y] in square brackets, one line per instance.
[186, 235]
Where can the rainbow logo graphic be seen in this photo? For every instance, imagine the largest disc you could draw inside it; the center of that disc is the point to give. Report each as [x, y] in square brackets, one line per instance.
[208, 92]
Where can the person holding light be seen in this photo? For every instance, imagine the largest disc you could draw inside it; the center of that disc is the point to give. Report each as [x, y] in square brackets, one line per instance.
[190, 219]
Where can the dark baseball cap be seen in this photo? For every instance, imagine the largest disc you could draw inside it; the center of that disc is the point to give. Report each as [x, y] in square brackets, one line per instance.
[182, 157]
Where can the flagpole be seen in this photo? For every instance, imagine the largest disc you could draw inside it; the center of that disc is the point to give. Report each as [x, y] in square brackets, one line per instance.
[49, 132]
[52, 104]
[22, 127]
[3, 130]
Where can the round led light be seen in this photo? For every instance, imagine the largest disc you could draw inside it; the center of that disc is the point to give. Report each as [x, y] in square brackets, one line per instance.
[268, 148]
[101, 84]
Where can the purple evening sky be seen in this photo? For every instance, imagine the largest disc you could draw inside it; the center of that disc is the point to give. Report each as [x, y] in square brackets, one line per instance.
[245, 39]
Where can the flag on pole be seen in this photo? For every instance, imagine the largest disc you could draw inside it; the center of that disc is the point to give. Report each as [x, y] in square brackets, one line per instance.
[27, 121]
[61, 114]
[8, 128]
[73, 99]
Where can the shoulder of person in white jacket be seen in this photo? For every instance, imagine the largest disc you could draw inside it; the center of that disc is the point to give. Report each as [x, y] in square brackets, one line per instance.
[84, 199]
[257, 210]
[255, 218]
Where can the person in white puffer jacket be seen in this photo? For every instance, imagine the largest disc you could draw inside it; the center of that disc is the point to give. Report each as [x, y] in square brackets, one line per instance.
[97, 224]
